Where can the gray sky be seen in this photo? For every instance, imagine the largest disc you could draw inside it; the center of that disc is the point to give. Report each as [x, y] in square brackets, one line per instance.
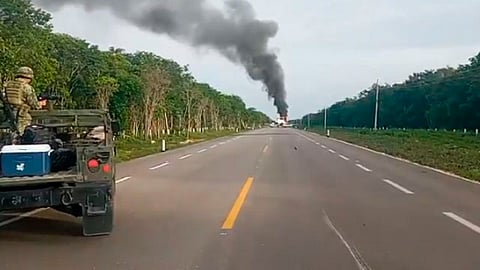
[329, 49]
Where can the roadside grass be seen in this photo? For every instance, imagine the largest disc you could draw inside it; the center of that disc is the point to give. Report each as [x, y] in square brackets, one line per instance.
[131, 148]
[457, 153]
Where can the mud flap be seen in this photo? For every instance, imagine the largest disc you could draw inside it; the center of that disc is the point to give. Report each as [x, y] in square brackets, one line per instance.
[98, 214]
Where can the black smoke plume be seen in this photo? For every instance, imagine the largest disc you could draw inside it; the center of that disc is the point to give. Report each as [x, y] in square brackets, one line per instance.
[236, 33]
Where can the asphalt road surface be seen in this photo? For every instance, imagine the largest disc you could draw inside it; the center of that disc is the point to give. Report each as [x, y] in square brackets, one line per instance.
[278, 199]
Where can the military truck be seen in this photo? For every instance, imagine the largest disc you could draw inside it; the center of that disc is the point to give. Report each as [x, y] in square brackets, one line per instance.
[84, 188]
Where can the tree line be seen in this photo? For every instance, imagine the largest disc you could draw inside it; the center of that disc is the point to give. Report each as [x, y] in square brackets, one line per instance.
[445, 98]
[148, 94]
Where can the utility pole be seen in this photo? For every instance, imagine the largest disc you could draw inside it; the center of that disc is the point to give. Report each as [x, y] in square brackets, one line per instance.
[188, 113]
[308, 121]
[375, 125]
[325, 120]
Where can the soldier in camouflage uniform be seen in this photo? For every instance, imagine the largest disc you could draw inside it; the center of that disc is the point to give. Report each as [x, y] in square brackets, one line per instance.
[22, 98]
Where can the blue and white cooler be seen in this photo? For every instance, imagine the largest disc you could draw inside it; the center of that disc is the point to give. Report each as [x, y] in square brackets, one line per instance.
[25, 160]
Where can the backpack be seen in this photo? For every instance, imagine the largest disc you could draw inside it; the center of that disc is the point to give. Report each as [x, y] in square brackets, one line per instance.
[14, 92]
[37, 134]
[63, 159]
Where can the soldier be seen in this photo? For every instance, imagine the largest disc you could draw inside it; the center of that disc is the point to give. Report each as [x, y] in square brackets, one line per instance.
[22, 98]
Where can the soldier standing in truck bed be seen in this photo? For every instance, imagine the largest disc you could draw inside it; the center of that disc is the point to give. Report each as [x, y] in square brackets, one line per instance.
[22, 98]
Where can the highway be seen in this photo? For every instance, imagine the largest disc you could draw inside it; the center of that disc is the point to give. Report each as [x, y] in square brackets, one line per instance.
[279, 199]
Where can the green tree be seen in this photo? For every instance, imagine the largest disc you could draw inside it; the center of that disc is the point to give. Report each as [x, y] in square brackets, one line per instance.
[443, 98]
[151, 96]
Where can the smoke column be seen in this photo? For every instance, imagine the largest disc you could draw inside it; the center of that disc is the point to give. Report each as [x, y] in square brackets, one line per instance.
[236, 33]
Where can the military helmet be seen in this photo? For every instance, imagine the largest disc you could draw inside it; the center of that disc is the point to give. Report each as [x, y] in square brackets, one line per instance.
[25, 72]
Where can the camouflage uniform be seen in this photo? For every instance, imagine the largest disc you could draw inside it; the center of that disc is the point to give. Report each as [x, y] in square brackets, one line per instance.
[21, 97]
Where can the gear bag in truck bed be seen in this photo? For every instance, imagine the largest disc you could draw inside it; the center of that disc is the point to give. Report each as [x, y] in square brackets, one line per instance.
[37, 134]
[63, 159]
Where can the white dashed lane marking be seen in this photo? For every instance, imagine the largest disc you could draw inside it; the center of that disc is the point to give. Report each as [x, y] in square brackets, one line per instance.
[363, 167]
[126, 178]
[397, 186]
[160, 166]
[185, 157]
[463, 221]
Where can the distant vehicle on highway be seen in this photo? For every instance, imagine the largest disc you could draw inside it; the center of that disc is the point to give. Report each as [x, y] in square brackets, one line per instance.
[281, 122]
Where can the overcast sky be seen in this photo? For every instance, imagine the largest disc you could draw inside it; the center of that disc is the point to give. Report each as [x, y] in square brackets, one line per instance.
[329, 49]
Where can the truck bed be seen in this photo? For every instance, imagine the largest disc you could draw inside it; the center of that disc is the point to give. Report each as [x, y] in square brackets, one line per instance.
[62, 176]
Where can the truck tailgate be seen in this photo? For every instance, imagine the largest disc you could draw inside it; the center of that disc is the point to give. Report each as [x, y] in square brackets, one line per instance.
[66, 176]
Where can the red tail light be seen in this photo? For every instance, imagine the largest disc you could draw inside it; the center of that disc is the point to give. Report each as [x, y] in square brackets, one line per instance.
[106, 168]
[93, 165]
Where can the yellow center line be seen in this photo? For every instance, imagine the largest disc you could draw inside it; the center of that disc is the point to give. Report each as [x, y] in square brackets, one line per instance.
[232, 216]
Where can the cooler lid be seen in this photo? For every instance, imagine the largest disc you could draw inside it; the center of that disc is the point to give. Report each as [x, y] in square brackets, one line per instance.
[26, 148]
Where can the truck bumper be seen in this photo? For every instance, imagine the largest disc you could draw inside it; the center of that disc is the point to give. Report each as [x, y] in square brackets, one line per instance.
[94, 197]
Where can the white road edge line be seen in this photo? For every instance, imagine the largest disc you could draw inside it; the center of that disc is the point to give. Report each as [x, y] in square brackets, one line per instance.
[201, 151]
[331, 151]
[344, 157]
[397, 186]
[22, 216]
[362, 265]
[406, 161]
[307, 138]
[126, 178]
[184, 157]
[160, 166]
[363, 167]
[463, 221]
